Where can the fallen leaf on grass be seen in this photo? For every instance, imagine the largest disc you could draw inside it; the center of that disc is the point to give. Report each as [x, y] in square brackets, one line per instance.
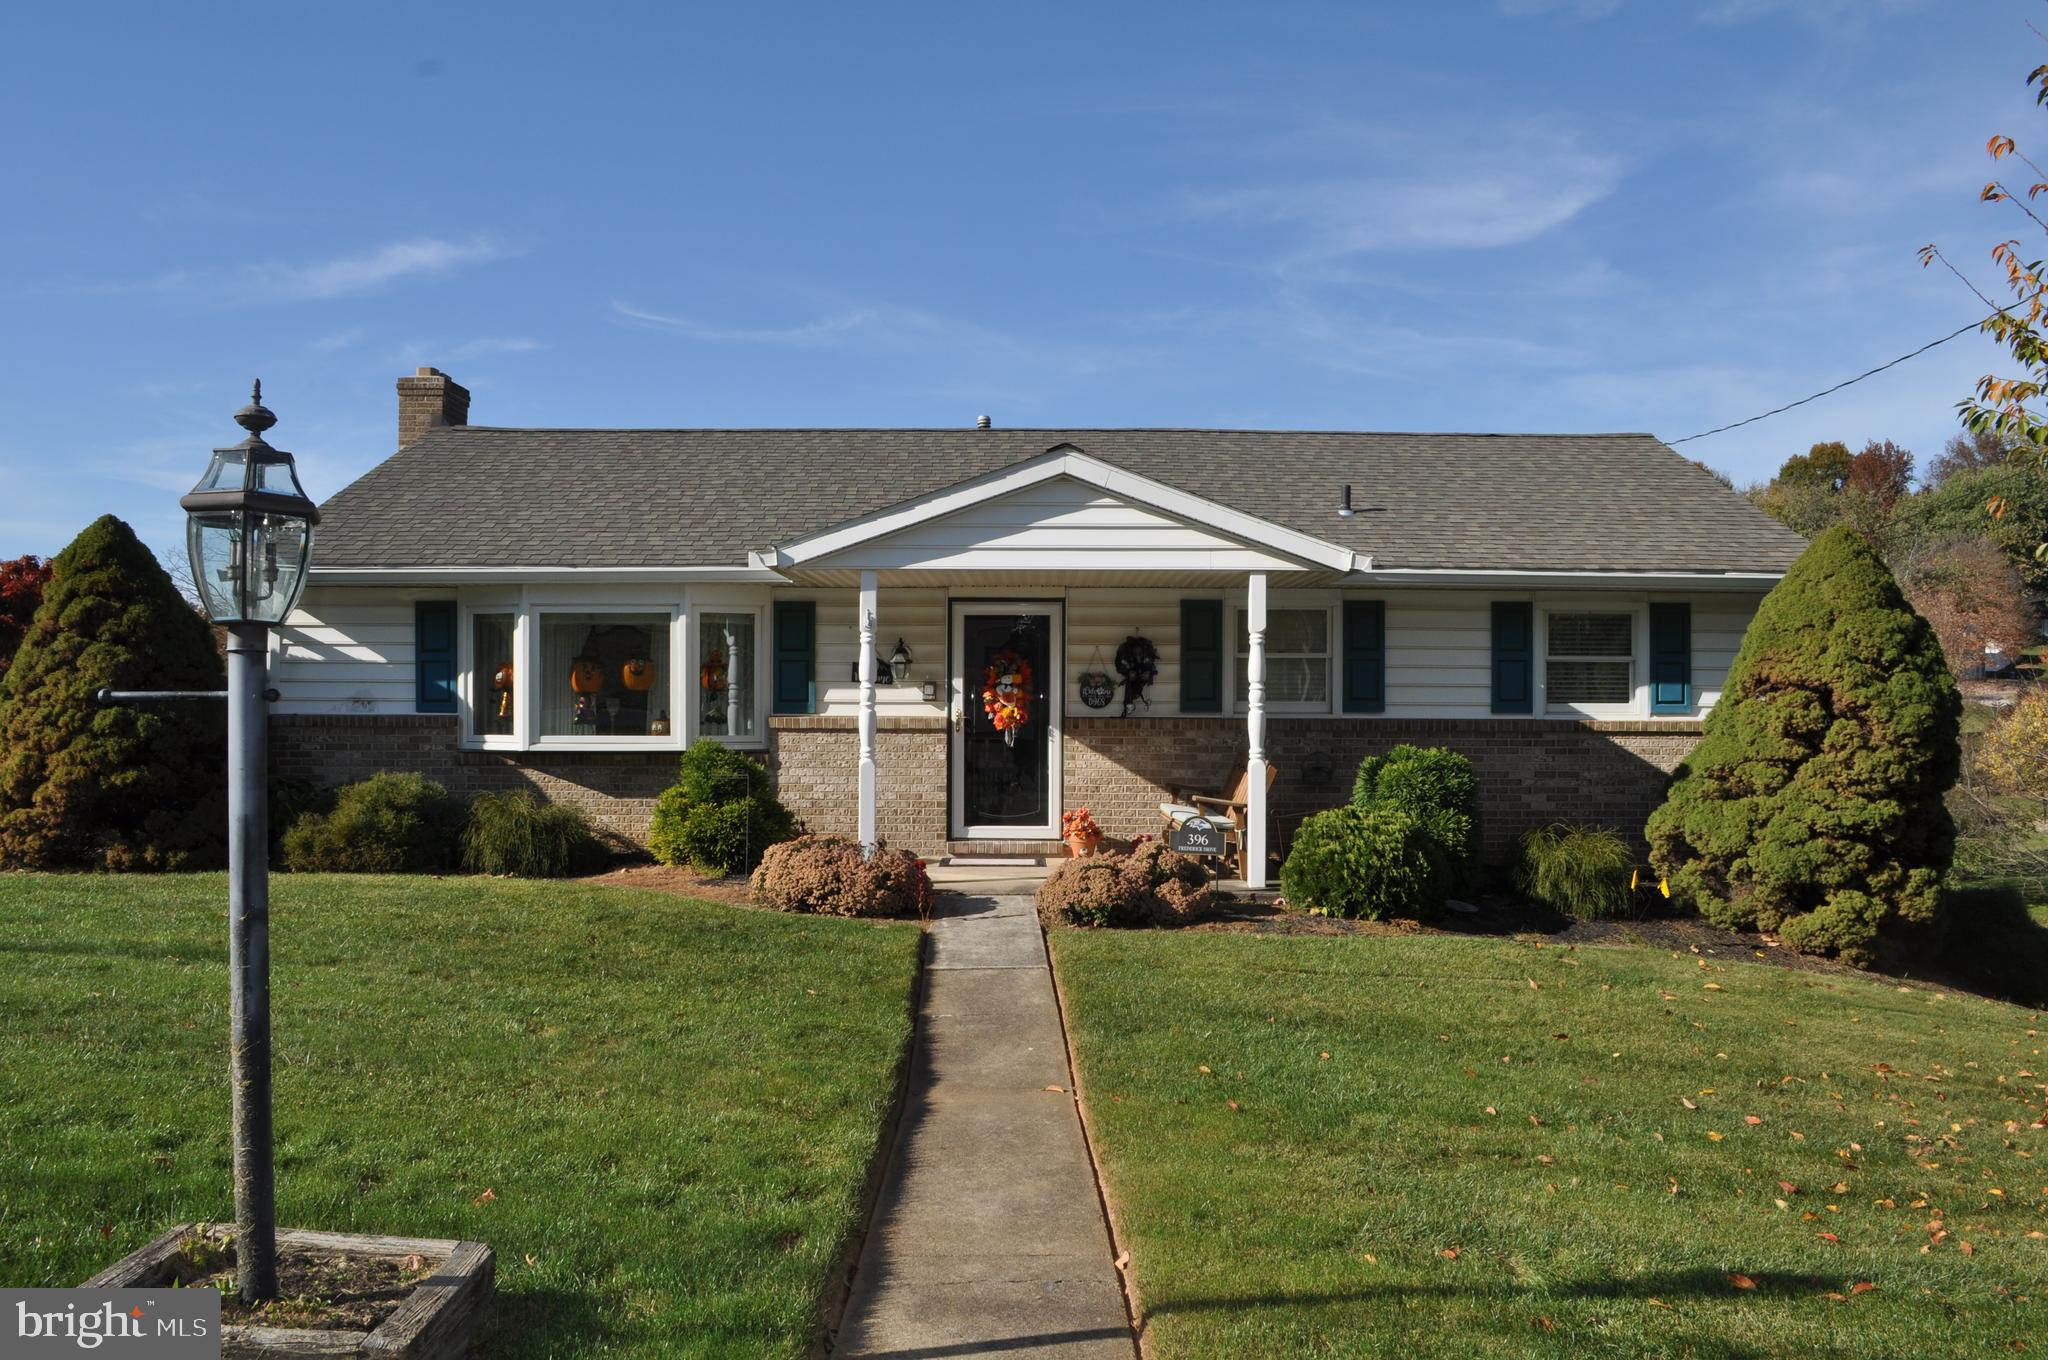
[1751, 1120]
[1862, 1287]
[1204, 1068]
[1659, 1303]
[1715, 1137]
[1450, 1253]
[1741, 1281]
[486, 1197]
[1687, 1103]
[1061, 1089]
[1371, 1259]
[1830, 1237]
[1711, 987]
[1232, 1104]
[1546, 1324]
[1834, 1297]
[1966, 1248]
[530, 1259]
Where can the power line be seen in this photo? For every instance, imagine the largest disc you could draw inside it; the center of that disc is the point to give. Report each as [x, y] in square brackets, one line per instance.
[1846, 382]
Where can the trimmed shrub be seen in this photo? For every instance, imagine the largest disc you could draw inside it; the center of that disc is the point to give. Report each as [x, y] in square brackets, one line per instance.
[516, 833]
[386, 824]
[128, 786]
[1813, 805]
[1582, 871]
[720, 815]
[828, 876]
[1373, 862]
[1434, 785]
[1151, 886]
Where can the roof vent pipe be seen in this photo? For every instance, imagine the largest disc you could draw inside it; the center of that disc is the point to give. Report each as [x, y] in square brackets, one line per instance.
[981, 422]
[1345, 511]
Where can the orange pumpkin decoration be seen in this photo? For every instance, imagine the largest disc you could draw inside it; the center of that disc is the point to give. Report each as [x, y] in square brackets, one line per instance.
[584, 675]
[639, 674]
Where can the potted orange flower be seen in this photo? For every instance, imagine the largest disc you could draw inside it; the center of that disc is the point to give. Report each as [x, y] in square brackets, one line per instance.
[1080, 832]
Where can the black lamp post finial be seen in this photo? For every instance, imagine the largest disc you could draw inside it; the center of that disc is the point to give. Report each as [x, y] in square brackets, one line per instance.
[256, 417]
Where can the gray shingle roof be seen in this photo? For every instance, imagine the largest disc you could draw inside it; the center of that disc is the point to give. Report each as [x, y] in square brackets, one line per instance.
[483, 497]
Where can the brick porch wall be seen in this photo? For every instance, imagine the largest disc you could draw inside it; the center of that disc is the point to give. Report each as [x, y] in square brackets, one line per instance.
[817, 772]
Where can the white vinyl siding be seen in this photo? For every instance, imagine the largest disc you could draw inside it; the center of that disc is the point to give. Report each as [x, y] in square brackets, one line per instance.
[349, 649]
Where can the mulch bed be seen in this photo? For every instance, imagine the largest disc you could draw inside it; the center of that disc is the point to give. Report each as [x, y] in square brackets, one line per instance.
[677, 879]
[1511, 918]
[316, 1290]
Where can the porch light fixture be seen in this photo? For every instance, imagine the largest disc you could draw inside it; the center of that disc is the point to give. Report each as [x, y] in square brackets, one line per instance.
[249, 527]
[899, 664]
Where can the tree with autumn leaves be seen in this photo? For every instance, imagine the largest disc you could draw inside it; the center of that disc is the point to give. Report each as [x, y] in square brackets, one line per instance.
[21, 590]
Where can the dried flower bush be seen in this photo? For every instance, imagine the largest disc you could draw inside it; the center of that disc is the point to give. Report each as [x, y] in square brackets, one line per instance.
[1151, 886]
[828, 876]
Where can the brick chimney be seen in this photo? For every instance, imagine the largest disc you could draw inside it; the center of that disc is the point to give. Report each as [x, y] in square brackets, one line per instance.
[429, 398]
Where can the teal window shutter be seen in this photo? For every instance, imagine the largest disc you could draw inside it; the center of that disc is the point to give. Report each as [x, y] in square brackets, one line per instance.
[1671, 658]
[433, 656]
[1514, 656]
[1365, 656]
[1201, 656]
[796, 656]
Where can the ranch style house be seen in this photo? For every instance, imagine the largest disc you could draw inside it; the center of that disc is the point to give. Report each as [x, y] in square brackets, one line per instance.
[943, 638]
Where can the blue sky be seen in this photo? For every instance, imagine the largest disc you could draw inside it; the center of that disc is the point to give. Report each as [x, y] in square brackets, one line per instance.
[1498, 215]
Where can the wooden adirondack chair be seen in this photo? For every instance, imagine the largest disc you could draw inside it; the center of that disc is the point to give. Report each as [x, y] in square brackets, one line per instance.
[1226, 812]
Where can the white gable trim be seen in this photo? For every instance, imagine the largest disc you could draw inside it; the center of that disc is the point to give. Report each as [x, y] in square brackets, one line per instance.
[1068, 461]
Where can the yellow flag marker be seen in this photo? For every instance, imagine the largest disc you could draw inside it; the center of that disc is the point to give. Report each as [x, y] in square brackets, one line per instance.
[1664, 886]
[1634, 876]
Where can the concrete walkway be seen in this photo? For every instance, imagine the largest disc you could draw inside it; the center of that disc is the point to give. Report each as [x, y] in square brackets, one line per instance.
[989, 1238]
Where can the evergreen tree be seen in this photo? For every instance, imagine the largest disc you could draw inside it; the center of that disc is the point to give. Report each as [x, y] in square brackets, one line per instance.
[139, 786]
[1813, 805]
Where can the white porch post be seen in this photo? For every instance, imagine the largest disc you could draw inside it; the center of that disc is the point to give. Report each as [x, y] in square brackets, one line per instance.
[1255, 734]
[867, 710]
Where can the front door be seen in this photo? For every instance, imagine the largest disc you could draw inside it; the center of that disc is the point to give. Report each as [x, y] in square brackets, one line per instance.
[1006, 722]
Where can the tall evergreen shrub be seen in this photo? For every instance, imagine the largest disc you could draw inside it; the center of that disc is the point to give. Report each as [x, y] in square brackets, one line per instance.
[1813, 805]
[135, 786]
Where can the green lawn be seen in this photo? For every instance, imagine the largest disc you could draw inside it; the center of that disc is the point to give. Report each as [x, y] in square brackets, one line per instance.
[659, 1112]
[1457, 1147]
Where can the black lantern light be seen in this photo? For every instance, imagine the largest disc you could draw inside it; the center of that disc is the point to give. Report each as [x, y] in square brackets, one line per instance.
[249, 527]
[899, 664]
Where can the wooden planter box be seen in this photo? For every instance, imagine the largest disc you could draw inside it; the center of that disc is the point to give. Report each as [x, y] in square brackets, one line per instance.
[437, 1322]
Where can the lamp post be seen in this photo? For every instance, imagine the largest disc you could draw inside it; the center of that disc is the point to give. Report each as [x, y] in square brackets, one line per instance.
[249, 529]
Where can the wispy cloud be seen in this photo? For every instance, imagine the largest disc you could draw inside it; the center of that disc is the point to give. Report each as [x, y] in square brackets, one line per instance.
[319, 280]
[1367, 190]
[827, 330]
[1819, 12]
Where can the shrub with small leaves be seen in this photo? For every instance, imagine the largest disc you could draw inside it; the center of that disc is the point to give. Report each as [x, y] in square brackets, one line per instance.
[720, 815]
[1374, 862]
[2012, 755]
[516, 833]
[1434, 785]
[1582, 871]
[386, 824]
[1151, 886]
[829, 876]
[1813, 805]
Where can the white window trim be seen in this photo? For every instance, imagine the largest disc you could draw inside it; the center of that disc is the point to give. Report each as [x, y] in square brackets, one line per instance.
[764, 646]
[472, 690]
[1638, 704]
[1278, 602]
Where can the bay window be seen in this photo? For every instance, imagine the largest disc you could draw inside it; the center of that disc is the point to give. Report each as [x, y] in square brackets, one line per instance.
[726, 695]
[604, 675]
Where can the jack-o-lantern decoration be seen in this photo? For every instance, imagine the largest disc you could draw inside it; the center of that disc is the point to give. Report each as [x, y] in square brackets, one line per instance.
[1006, 694]
[501, 681]
[586, 678]
[638, 673]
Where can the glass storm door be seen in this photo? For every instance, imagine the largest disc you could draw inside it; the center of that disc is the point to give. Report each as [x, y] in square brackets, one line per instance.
[1006, 690]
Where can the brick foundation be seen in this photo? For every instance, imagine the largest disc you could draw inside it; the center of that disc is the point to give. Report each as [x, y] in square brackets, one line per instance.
[1531, 772]
[617, 789]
